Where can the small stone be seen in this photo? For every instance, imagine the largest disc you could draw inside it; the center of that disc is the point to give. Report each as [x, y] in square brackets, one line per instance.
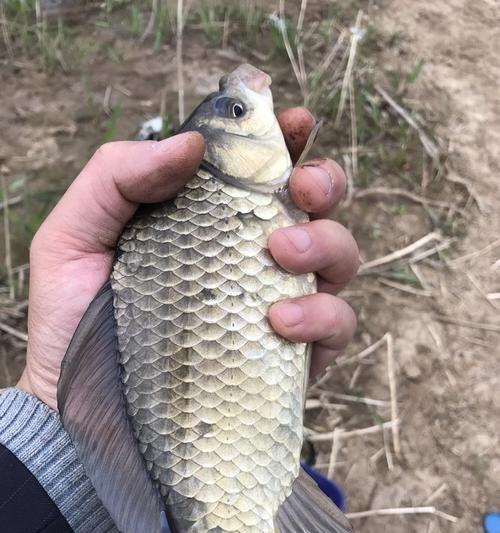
[412, 370]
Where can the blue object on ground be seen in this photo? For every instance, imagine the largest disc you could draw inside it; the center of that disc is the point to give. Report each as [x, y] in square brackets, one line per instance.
[164, 523]
[333, 491]
[491, 523]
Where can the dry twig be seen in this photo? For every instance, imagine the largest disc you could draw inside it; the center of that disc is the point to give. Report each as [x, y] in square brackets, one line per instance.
[401, 511]
[300, 50]
[350, 180]
[436, 494]
[179, 61]
[429, 145]
[9, 202]
[468, 323]
[358, 399]
[406, 288]
[480, 290]
[337, 433]
[302, 16]
[296, 66]
[347, 360]
[356, 35]
[388, 454]
[398, 254]
[376, 456]
[388, 191]
[6, 232]
[225, 30]
[370, 430]
[151, 21]
[106, 99]
[431, 251]
[5, 31]
[354, 130]
[474, 255]
[355, 376]
[314, 403]
[323, 67]
[391, 373]
[14, 332]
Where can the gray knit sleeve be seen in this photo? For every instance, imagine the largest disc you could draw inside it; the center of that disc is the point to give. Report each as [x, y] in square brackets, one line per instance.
[33, 432]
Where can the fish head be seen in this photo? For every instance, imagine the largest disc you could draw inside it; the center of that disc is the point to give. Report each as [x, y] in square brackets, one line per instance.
[244, 142]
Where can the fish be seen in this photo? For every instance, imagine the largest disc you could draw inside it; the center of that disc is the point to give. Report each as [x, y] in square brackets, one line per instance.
[181, 400]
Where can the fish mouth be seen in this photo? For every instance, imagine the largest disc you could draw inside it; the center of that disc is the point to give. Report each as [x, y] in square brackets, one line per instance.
[253, 78]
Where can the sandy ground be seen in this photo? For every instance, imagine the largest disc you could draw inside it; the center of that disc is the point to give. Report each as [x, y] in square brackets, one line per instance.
[450, 407]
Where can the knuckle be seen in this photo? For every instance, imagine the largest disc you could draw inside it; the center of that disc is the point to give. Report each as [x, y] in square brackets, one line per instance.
[35, 243]
[326, 228]
[356, 262]
[343, 321]
[104, 151]
[353, 321]
[38, 244]
[333, 313]
[352, 250]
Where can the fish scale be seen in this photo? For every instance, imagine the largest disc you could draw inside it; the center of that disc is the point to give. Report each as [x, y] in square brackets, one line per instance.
[215, 397]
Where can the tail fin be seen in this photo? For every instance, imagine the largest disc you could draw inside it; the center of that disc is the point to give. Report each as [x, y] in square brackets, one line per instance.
[308, 510]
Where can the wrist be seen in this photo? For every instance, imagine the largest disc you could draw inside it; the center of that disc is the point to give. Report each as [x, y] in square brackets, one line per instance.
[24, 383]
[36, 388]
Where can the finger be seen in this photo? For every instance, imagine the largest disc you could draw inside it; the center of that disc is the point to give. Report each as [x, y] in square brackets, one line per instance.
[321, 357]
[317, 185]
[102, 199]
[321, 318]
[296, 123]
[321, 246]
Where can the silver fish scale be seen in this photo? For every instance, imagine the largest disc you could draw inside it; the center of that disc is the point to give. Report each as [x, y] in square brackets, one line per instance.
[214, 395]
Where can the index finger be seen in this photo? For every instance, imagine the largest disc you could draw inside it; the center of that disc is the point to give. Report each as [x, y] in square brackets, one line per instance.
[318, 185]
[296, 124]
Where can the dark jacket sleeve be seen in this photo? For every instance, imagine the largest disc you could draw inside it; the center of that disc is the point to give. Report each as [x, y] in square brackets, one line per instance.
[25, 507]
[43, 485]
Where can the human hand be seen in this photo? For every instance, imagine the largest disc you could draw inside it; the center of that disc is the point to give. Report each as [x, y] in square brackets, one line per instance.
[322, 246]
[72, 253]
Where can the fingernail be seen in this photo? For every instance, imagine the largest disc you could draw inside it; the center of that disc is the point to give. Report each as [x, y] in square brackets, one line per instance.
[290, 313]
[298, 238]
[321, 177]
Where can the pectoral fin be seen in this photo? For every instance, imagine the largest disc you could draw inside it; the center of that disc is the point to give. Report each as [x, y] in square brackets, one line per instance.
[308, 510]
[92, 408]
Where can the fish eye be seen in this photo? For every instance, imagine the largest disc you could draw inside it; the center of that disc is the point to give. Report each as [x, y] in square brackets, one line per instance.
[237, 110]
[229, 107]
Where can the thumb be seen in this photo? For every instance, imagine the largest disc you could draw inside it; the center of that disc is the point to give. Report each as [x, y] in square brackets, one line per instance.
[94, 210]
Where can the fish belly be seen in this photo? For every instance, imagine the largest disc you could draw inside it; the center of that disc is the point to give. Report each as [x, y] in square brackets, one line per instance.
[215, 397]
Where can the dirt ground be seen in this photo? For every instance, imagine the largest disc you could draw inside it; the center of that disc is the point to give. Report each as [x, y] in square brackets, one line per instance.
[445, 332]
[449, 385]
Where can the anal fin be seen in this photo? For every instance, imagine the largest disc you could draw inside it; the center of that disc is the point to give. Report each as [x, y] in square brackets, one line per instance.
[308, 510]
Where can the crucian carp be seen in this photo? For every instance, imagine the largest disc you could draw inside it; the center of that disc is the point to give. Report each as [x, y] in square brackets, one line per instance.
[181, 400]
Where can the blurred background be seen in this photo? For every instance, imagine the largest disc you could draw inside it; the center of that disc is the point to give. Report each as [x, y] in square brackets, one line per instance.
[407, 420]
